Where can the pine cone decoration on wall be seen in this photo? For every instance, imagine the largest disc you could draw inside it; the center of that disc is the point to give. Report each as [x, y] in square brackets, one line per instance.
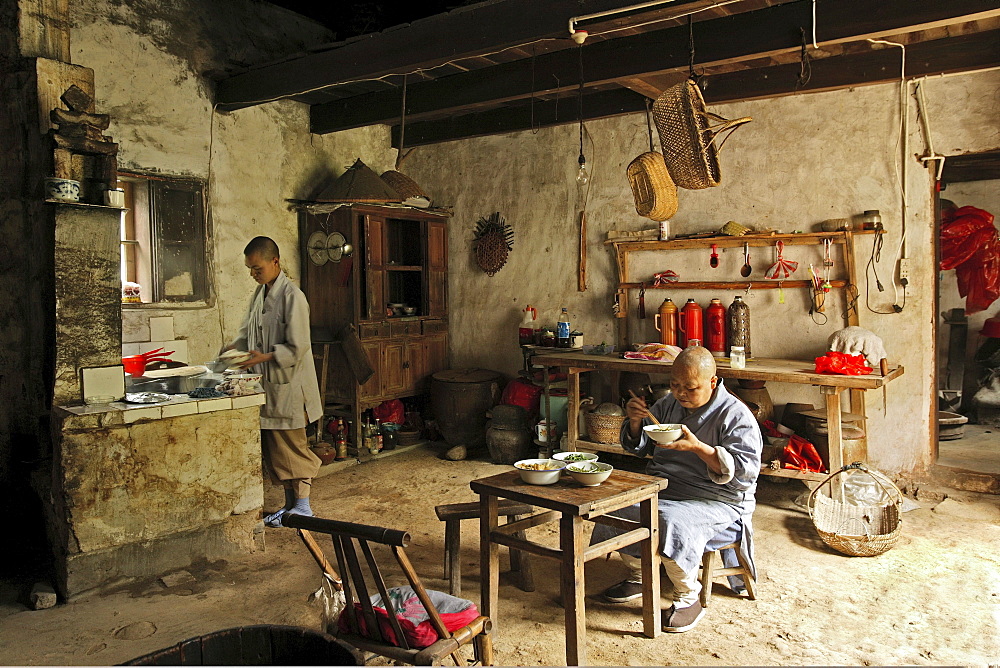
[494, 239]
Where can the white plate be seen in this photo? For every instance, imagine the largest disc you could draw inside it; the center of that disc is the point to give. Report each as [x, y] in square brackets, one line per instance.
[176, 371]
[146, 397]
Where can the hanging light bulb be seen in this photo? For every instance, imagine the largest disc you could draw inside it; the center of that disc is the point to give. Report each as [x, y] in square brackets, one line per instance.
[582, 176]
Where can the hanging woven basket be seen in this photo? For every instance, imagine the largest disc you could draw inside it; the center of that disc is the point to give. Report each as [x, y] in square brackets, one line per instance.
[652, 188]
[688, 133]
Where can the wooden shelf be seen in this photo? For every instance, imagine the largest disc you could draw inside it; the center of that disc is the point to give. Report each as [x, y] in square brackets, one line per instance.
[754, 284]
[725, 241]
[617, 449]
[402, 267]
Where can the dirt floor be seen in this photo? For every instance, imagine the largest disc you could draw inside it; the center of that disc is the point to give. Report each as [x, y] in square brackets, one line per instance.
[934, 599]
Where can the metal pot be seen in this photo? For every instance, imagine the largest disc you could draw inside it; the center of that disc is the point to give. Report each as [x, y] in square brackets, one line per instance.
[172, 384]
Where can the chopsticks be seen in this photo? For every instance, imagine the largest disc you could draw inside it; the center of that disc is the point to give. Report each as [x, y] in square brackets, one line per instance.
[651, 416]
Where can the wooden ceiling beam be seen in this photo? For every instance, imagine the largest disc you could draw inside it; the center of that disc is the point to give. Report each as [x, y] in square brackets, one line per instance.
[462, 33]
[942, 56]
[514, 118]
[730, 39]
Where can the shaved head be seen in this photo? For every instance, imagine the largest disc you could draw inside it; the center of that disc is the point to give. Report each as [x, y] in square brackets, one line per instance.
[694, 362]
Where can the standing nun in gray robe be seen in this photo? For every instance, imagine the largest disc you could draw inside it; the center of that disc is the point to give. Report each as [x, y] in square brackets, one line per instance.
[712, 472]
[275, 330]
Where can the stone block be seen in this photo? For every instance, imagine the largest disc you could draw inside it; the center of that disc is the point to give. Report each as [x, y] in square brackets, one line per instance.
[249, 400]
[43, 596]
[210, 405]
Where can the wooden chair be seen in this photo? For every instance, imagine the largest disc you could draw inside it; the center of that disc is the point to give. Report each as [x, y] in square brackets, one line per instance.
[452, 515]
[709, 572]
[351, 542]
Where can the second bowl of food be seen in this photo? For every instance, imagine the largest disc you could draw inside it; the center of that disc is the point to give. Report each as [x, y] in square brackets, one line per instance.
[590, 474]
[540, 471]
[571, 457]
[663, 433]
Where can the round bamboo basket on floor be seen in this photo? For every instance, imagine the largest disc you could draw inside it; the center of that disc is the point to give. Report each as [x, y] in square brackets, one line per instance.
[857, 530]
[604, 428]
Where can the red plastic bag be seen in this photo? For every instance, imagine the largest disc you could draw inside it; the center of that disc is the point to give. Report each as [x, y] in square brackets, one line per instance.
[842, 364]
[524, 394]
[802, 455]
[970, 246]
[390, 411]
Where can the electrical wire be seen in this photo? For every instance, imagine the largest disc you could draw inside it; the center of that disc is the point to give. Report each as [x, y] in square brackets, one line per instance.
[453, 61]
[872, 267]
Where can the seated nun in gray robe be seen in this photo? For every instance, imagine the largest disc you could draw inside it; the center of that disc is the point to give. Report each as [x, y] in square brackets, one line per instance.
[712, 472]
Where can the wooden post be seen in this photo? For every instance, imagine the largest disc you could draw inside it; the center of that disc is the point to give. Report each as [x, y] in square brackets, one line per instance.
[649, 517]
[489, 571]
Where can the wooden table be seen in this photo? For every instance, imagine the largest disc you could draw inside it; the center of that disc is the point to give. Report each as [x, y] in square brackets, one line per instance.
[801, 372]
[570, 504]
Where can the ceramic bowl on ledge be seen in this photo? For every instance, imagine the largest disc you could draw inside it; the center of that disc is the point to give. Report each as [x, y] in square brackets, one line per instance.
[65, 190]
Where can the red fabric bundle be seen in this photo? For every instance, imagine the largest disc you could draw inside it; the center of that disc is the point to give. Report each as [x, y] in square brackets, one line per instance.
[413, 618]
[970, 246]
[842, 364]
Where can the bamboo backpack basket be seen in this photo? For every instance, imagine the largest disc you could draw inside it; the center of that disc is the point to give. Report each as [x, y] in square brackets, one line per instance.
[857, 530]
[654, 191]
[688, 133]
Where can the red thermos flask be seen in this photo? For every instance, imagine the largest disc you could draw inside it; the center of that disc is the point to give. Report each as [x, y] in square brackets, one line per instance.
[689, 324]
[715, 328]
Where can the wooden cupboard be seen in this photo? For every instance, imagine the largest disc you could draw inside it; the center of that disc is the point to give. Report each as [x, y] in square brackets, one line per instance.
[400, 257]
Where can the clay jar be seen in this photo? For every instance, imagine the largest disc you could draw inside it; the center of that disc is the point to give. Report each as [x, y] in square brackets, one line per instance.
[508, 437]
[753, 391]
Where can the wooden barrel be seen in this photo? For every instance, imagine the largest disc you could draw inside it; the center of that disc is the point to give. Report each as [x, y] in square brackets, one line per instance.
[459, 400]
[259, 645]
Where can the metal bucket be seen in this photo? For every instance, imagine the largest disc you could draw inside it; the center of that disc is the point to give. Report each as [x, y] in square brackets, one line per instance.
[459, 400]
[259, 645]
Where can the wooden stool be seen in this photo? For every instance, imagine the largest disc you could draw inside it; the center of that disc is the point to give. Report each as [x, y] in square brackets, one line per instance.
[709, 573]
[453, 513]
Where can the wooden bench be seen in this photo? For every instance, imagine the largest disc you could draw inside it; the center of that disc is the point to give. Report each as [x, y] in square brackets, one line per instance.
[452, 515]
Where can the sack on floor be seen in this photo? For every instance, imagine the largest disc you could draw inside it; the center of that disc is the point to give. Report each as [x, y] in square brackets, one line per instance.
[413, 618]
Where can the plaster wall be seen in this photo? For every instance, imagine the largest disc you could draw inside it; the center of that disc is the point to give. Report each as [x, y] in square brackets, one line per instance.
[802, 160]
[984, 195]
[151, 62]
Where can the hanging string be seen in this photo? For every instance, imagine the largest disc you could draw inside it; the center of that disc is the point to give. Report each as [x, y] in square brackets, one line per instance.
[805, 64]
[402, 126]
[557, 99]
[691, 72]
[649, 126]
[534, 128]
[580, 97]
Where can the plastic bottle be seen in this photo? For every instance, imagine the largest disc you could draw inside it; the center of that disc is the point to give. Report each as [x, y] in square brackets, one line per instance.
[563, 329]
[526, 331]
[377, 435]
[737, 358]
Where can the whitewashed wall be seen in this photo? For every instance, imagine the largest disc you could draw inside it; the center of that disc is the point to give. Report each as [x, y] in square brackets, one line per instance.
[803, 159]
[150, 61]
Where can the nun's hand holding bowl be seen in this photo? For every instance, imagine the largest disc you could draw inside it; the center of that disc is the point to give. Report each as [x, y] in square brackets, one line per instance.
[688, 442]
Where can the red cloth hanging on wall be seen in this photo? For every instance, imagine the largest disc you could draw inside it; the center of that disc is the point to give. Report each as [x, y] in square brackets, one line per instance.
[970, 245]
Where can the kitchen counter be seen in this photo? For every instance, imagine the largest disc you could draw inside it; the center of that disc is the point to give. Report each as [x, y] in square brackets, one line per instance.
[121, 412]
[137, 490]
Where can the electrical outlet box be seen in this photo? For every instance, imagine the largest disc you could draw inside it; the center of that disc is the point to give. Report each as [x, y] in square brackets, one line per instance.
[904, 270]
